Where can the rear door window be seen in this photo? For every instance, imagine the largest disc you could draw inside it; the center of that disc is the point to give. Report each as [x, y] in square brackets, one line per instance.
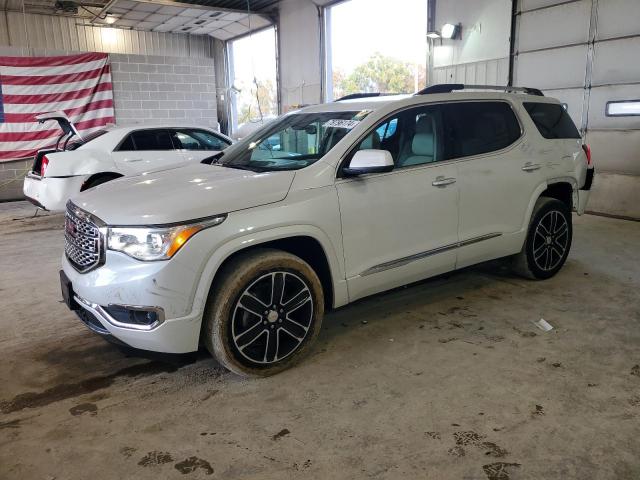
[476, 128]
[192, 139]
[551, 120]
[146, 140]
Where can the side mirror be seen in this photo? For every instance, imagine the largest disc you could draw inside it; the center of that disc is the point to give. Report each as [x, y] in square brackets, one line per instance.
[369, 161]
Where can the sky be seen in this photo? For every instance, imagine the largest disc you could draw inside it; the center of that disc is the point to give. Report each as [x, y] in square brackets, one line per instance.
[256, 53]
[363, 27]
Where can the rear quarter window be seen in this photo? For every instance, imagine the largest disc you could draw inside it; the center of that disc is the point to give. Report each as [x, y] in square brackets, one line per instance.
[475, 128]
[551, 120]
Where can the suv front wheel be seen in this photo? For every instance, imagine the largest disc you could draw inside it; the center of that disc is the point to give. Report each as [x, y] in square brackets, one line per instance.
[548, 240]
[264, 312]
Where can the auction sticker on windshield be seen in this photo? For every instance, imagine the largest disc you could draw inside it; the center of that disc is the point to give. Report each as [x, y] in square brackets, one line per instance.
[348, 124]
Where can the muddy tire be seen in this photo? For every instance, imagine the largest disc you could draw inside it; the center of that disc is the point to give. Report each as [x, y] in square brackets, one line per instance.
[548, 240]
[264, 312]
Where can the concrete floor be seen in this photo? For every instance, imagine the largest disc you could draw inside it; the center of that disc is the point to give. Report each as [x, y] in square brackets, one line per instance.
[447, 379]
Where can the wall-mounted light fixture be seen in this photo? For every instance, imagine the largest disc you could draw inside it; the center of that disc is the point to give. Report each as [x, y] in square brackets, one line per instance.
[434, 34]
[451, 30]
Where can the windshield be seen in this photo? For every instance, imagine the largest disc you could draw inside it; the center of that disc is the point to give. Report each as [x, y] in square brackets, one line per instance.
[291, 142]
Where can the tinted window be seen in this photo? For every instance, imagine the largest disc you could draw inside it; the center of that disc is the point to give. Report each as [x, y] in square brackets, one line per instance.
[414, 137]
[147, 140]
[198, 140]
[474, 128]
[552, 120]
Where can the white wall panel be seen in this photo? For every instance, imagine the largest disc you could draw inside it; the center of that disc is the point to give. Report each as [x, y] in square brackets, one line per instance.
[569, 24]
[489, 72]
[615, 151]
[616, 194]
[558, 68]
[485, 29]
[574, 98]
[597, 105]
[617, 18]
[299, 31]
[617, 61]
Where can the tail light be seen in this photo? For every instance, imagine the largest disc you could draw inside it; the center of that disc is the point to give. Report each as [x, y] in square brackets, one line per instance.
[43, 165]
[587, 151]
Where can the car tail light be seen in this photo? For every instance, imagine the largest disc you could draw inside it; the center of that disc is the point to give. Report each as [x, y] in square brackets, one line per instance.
[43, 165]
[587, 151]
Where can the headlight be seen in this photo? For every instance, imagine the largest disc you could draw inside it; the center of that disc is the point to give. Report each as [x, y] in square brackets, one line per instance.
[155, 243]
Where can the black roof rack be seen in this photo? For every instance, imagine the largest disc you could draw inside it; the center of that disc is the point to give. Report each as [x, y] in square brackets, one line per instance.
[353, 96]
[450, 87]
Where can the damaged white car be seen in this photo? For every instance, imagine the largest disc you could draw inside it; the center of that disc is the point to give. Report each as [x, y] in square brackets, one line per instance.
[78, 163]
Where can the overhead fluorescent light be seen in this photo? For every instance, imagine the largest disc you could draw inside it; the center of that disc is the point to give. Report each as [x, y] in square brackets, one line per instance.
[450, 30]
[434, 34]
[110, 19]
[623, 108]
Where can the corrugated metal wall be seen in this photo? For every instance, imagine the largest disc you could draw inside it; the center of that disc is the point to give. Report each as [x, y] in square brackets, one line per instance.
[585, 52]
[485, 72]
[57, 33]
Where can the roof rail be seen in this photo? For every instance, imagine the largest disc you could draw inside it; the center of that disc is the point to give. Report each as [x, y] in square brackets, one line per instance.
[353, 96]
[450, 87]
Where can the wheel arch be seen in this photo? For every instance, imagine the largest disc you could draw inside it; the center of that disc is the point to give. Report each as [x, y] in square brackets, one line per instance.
[95, 176]
[559, 188]
[306, 242]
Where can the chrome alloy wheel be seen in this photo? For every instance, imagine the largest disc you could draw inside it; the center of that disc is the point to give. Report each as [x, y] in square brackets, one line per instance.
[550, 240]
[272, 317]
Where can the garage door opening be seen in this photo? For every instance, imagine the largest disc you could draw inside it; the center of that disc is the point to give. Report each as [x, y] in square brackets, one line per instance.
[373, 47]
[254, 98]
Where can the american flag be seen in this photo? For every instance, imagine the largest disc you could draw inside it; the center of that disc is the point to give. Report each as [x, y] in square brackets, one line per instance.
[79, 85]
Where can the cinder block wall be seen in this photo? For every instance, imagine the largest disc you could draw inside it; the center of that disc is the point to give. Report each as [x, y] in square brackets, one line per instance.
[146, 89]
[152, 88]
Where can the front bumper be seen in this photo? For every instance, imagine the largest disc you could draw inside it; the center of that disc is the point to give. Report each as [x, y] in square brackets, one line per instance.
[162, 286]
[51, 193]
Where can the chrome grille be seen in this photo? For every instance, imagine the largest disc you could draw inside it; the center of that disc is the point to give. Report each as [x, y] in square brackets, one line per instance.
[82, 239]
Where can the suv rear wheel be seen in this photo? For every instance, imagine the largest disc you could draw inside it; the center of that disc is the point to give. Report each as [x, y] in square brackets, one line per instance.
[264, 312]
[548, 240]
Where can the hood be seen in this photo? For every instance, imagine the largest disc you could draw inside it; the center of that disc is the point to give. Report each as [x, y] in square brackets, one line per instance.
[181, 194]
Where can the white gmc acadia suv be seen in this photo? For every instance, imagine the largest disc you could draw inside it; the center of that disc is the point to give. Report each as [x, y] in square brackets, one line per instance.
[319, 208]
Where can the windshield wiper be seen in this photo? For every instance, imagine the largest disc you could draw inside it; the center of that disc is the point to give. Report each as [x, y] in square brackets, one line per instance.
[214, 159]
[238, 167]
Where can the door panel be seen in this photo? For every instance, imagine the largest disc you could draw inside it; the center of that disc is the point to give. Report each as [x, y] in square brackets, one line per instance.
[389, 218]
[498, 175]
[401, 226]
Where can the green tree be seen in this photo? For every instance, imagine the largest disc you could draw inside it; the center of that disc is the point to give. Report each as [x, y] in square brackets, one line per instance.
[381, 74]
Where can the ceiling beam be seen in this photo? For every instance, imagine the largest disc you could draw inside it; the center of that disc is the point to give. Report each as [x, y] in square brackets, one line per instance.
[104, 10]
[194, 6]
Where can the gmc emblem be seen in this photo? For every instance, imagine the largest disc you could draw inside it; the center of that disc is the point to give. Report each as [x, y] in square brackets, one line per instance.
[70, 227]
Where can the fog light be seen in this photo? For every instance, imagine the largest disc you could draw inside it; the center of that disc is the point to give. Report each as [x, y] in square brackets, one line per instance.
[133, 316]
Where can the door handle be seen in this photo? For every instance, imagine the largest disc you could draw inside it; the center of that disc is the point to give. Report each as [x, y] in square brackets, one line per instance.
[443, 182]
[133, 160]
[530, 167]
